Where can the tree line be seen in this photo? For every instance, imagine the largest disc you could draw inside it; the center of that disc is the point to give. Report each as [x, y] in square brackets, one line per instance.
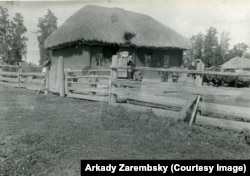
[13, 47]
[214, 50]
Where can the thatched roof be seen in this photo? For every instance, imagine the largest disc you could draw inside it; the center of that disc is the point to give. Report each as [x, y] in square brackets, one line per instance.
[114, 26]
[237, 63]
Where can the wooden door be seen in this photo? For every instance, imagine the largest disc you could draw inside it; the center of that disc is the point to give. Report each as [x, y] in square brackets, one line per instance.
[53, 76]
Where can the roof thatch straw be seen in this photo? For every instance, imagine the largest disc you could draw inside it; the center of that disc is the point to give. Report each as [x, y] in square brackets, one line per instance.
[111, 25]
[237, 63]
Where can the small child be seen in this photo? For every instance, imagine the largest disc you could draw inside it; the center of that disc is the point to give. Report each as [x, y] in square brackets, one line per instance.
[137, 76]
[93, 79]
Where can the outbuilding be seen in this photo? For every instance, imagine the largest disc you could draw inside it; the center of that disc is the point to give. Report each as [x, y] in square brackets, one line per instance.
[236, 64]
[91, 36]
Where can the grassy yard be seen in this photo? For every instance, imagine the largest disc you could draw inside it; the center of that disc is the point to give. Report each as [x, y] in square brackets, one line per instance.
[49, 135]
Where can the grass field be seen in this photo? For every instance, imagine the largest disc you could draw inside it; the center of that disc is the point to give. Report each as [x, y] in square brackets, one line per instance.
[49, 135]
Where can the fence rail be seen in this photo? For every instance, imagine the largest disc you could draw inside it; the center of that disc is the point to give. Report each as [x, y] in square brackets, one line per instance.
[171, 70]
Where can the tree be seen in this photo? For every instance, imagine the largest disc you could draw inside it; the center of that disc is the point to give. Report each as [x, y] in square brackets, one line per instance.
[18, 40]
[211, 50]
[197, 45]
[224, 47]
[214, 52]
[247, 55]
[46, 25]
[4, 30]
[12, 39]
[238, 49]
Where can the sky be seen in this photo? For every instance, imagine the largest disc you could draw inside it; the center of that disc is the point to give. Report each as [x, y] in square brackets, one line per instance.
[187, 17]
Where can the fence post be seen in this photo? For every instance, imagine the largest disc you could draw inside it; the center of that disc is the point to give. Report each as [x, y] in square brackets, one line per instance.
[113, 76]
[61, 77]
[66, 81]
[19, 69]
[47, 83]
[110, 84]
[194, 112]
[199, 79]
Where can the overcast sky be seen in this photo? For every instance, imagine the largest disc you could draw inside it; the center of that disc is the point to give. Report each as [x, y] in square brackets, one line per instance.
[187, 17]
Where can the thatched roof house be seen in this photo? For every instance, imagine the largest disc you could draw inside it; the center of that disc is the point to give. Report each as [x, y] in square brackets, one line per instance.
[91, 36]
[109, 25]
[236, 63]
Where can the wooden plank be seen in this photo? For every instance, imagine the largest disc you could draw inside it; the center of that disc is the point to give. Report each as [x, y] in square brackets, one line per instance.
[89, 97]
[9, 73]
[99, 82]
[152, 105]
[149, 83]
[113, 97]
[225, 100]
[31, 86]
[87, 87]
[11, 84]
[194, 113]
[15, 66]
[166, 87]
[46, 92]
[61, 76]
[176, 87]
[89, 76]
[127, 83]
[31, 81]
[66, 82]
[230, 92]
[171, 70]
[8, 79]
[159, 112]
[97, 93]
[242, 112]
[90, 70]
[134, 91]
[110, 83]
[32, 67]
[31, 74]
[185, 110]
[167, 101]
[95, 90]
[41, 85]
[204, 120]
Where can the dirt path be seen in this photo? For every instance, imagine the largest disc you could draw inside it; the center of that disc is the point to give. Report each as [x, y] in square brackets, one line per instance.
[48, 135]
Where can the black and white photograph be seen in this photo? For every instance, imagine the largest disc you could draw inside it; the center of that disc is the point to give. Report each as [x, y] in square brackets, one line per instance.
[122, 80]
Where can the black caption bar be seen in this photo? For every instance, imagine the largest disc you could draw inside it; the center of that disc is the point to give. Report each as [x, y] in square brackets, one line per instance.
[165, 167]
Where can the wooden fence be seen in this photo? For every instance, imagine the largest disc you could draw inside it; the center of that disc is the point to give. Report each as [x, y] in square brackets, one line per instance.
[29, 77]
[93, 84]
[223, 107]
[185, 99]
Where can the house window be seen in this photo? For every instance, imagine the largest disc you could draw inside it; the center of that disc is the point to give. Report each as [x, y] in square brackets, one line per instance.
[99, 60]
[148, 59]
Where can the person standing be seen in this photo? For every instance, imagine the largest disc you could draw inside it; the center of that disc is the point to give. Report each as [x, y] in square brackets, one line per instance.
[46, 66]
[131, 67]
[45, 76]
[164, 77]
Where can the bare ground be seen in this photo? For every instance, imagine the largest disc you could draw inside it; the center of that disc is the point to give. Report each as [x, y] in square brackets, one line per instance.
[49, 135]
